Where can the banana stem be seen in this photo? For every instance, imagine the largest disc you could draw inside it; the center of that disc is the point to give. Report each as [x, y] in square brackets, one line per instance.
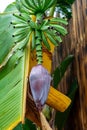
[44, 123]
[38, 47]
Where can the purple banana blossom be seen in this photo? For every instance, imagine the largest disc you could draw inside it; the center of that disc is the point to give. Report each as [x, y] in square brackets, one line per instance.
[39, 84]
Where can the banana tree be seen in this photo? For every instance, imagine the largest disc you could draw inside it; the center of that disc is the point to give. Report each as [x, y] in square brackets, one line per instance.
[24, 29]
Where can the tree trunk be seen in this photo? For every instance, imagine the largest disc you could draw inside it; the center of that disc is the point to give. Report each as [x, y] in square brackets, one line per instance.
[75, 43]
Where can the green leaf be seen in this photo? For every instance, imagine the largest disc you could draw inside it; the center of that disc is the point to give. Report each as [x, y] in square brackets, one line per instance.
[5, 45]
[61, 117]
[27, 126]
[19, 127]
[64, 2]
[11, 91]
[6, 40]
[10, 8]
[64, 7]
[59, 72]
[9, 43]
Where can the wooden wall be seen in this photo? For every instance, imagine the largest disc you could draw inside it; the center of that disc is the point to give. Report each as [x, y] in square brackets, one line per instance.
[75, 43]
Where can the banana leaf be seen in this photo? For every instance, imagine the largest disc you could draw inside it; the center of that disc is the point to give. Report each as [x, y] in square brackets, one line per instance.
[8, 45]
[11, 7]
[27, 126]
[61, 69]
[12, 91]
[61, 117]
[12, 74]
[6, 31]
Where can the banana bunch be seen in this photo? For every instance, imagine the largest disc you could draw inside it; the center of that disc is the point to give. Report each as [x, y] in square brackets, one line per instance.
[41, 31]
[37, 6]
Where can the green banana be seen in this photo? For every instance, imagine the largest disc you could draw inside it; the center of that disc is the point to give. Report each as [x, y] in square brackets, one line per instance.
[20, 31]
[33, 40]
[27, 7]
[45, 42]
[39, 4]
[19, 38]
[22, 7]
[20, 26]
[46, 2]
[24, 10]
[35, 4]
[24, 23]
[45, 22]
[39, 53]
[22, 37]
[31, 4]
[59, 28]
[39, 59]
[19, 16]
[59, 20]
[43, 4]
[58, 38]
[54, 35]
[32, 24]
[37, 34]
[43, 28]
[24, 42]
[38, 46]
[14, 22]
[25, 15]
[24, 4]
[51, 38]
